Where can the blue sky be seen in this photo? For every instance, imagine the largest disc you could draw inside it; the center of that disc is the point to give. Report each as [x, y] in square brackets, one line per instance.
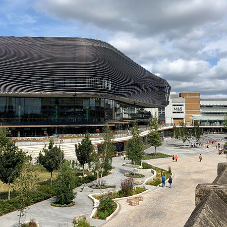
[183, 41]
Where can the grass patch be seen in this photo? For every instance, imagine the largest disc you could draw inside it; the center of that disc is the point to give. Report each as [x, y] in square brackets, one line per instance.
[42, 192]
[64, 205]
[155, 156]
[134, 175]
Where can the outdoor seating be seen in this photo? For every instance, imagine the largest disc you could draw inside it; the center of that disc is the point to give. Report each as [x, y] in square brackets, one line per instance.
[135, 200]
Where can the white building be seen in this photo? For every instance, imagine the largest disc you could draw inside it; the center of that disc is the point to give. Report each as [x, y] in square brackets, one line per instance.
[211, 112]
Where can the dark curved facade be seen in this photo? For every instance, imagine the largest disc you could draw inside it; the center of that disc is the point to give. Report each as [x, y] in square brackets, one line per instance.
[73, 68]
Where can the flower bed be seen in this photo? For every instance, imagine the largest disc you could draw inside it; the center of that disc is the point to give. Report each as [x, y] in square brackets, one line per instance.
[104, 204]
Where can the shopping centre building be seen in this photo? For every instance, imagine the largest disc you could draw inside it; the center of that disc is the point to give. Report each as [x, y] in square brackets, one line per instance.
[188, 107]
[72, 85]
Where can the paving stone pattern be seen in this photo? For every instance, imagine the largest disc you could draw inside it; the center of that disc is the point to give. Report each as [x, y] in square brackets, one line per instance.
[160, 207]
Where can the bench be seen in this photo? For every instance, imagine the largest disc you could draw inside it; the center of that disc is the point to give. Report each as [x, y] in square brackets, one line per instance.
[135, 200]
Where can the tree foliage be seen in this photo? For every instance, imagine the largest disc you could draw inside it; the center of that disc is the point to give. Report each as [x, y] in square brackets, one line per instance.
[12, 160]
[51, 158]
[24, 186]
[96, 163]
[197, 132]
[135, 147]
[176, 132]
[65, 184]
[107, 149]
[84, 151]
[185, 135]
[154, 137]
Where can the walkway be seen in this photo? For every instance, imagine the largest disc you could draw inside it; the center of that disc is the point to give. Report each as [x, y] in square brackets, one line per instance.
[170, 206]
[161, 206]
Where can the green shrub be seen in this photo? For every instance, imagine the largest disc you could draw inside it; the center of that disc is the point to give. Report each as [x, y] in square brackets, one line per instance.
[146, 165]
[138, 190]
[102, 215]
[64, 185]
[45, 189]
[8, 205]
[88, 179]
[155, 156]
[135, 175]
[83, 223]
[106, 206]
[155, 182]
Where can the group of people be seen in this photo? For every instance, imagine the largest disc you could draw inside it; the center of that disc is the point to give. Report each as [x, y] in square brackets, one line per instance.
[123, 156]
[175, 157]
[170, 180]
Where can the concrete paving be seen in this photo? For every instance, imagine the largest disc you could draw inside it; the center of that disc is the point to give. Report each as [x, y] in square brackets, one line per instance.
[161, 206]
[171, 206]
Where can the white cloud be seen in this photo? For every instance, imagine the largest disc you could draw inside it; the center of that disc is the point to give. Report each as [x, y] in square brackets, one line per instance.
[217, 72]
[173, 39]
[142, 18]
[140, 50]
[181, 70]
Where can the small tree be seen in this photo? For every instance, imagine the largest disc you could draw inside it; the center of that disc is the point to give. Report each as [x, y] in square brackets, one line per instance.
[154, 137]
[135, 147]
[96, 163]
[65, 184]
[12, 160]
[196, 131]
[83, 151]
[51, 159]
[107, 149]
[176, 132]
[184, 132]
[24, 186]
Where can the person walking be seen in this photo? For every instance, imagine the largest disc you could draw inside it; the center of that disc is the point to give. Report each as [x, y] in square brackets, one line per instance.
[176, 157]
[170, 181]
[173, 158]
[163, 180]
[200, 157]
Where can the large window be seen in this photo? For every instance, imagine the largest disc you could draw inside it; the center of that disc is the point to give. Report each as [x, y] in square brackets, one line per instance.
[43, 110]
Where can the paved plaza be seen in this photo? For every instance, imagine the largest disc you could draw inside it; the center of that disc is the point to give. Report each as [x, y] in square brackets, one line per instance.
[160, 207]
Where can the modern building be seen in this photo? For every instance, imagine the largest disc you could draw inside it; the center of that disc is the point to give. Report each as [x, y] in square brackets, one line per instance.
[72, 85]
[212, 112]
[175, 111]
[189, 107]
[192, 105]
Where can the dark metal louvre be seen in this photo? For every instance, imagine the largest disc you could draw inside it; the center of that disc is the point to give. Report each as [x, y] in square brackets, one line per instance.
[76, 66]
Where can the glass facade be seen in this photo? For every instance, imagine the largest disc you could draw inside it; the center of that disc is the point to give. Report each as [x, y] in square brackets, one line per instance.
[66, 111]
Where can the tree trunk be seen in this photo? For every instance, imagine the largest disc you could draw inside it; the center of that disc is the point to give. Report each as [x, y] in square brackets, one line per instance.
[51, 178]
[9, 192]
[83, 170]
[20, 215]
[97, 177]
[101, 176]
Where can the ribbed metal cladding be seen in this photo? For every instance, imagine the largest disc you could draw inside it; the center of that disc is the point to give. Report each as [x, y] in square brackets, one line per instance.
[76, 67]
